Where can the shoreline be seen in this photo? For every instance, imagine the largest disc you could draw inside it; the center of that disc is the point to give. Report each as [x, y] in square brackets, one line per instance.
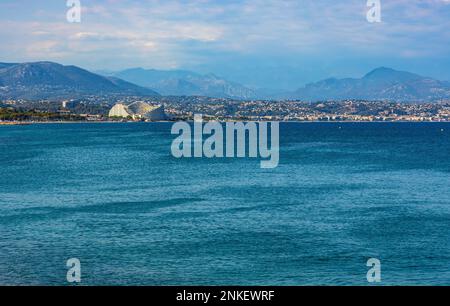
[25, 123]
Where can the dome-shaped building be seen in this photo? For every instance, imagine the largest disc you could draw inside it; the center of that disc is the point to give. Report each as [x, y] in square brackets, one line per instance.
[139, 110]
[156, 113]
[119, 110]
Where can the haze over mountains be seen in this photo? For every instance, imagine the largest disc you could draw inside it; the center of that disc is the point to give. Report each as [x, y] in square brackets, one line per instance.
[186, 83]
[379, 84]
[43, 80]
[46, 80]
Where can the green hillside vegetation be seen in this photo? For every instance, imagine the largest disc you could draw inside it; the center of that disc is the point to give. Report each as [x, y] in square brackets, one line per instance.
[9, 114]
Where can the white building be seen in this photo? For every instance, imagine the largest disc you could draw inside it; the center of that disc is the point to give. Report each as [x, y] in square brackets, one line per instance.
[139, 110]
[119, 110]
[157, 113]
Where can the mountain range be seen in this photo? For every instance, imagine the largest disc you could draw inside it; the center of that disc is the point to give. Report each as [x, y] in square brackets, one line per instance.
[47, 80]
[43, 80]
[380, 84]
[185, 83]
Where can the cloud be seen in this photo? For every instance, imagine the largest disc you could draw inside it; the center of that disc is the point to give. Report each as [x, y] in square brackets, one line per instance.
[186, 33]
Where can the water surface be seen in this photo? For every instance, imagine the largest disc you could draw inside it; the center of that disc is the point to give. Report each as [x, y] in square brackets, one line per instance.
[114, 197]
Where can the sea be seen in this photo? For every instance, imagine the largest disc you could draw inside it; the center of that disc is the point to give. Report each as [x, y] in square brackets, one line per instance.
[113, 197]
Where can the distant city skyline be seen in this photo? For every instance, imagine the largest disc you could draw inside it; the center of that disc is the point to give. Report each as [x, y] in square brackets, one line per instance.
[266, 44]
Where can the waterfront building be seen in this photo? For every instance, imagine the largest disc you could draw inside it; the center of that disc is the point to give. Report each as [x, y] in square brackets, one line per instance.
[119, 110]
[139, 110]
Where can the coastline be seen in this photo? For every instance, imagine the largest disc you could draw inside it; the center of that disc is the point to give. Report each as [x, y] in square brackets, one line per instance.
[137, 122]
[13, 123]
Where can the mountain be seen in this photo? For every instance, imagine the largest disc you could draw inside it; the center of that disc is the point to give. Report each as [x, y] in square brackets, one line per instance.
[379, 84]
[185, 83]
[41, 80]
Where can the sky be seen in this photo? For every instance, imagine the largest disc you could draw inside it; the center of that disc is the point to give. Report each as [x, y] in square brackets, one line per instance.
[276, 44]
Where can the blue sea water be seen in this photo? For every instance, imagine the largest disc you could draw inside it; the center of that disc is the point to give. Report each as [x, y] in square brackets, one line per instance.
[112, 196]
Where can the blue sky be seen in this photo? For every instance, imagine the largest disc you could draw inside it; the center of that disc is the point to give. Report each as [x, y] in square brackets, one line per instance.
[261, 43]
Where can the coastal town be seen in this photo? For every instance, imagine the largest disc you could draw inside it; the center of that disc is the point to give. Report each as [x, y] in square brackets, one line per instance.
[104, 109]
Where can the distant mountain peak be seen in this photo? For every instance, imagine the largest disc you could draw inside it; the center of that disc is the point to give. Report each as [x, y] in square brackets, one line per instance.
[37, 80]
[382, 83]
[186, 83]
[381, 70]
[385, 72]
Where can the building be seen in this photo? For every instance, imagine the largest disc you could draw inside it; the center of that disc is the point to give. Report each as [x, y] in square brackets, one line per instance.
[157, 113]
[139, 110]
[119, 110]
